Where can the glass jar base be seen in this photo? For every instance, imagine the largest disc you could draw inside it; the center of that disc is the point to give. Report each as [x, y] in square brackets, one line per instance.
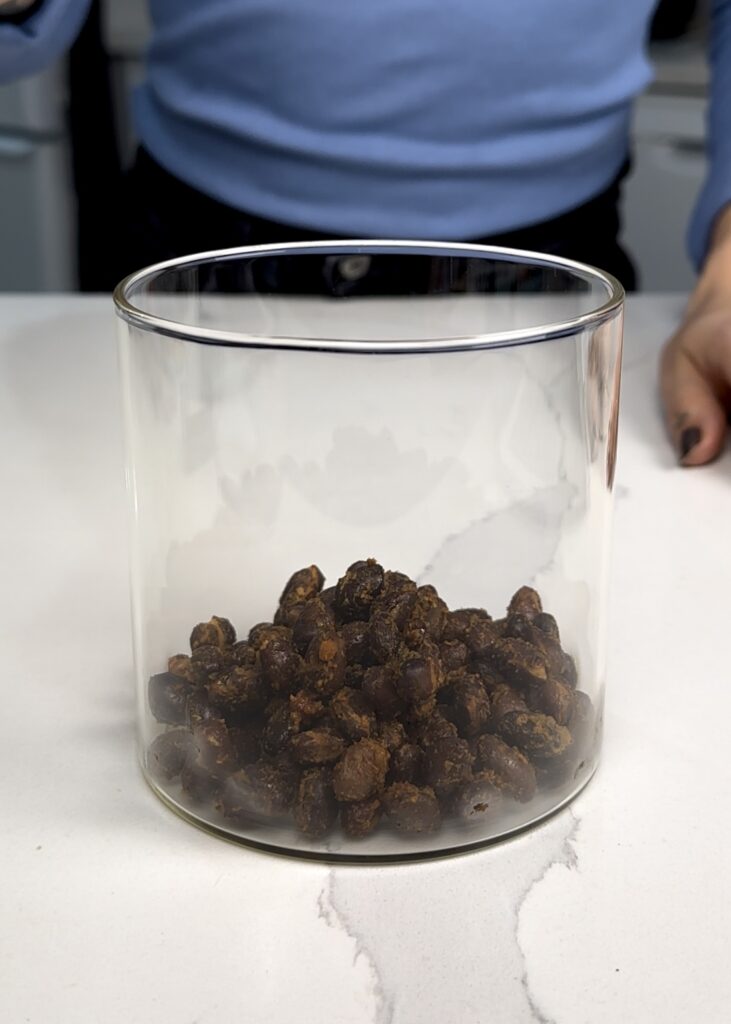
[450, 841]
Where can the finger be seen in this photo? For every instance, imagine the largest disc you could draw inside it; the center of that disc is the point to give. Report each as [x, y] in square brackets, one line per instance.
[695, 417]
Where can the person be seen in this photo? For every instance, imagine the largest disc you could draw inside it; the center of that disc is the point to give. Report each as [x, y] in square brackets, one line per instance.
[278, 120]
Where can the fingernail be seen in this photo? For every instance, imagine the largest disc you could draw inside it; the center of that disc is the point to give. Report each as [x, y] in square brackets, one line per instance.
[688, 440]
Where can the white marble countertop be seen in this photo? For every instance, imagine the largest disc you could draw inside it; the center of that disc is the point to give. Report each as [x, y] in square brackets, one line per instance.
[114, 910]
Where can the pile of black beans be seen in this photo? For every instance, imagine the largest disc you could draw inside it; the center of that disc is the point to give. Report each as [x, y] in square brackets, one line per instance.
[370, 704]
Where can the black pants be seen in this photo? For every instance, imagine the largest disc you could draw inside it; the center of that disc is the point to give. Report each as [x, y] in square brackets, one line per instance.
[163, 218]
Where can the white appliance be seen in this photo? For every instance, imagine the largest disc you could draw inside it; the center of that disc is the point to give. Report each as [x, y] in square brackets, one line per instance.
[126, 31]
[37, 210]
[669, 163]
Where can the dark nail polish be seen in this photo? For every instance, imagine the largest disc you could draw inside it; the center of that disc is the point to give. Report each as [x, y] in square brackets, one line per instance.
[688, 440]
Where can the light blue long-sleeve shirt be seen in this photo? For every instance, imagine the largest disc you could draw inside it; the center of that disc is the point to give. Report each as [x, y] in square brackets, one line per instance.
[396, 118]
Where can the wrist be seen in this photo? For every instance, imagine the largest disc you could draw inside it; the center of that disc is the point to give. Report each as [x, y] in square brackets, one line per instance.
[14, 6]
[16, 11]
[721, 228]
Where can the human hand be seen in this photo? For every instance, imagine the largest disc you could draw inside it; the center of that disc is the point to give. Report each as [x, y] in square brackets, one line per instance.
[695, 367]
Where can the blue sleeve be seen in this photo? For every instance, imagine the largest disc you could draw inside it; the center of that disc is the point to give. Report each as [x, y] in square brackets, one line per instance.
[716, 191]
[36, 42]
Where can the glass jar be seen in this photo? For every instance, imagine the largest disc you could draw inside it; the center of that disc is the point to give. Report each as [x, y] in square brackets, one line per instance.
[370, 489]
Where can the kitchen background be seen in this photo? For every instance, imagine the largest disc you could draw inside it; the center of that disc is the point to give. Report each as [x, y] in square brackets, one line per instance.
[53, 233]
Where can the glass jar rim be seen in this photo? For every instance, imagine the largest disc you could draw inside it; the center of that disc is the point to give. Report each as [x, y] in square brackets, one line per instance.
[592, 318]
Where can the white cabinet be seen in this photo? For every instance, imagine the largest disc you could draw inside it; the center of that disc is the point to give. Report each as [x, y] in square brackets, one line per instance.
[668, 171]
[37, 208]
[37, 247]
[126, 30]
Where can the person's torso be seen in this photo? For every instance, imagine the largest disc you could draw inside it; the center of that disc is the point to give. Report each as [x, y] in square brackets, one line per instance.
[396, 88]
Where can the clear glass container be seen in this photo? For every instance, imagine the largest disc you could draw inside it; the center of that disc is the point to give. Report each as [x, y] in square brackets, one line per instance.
[370, 490]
